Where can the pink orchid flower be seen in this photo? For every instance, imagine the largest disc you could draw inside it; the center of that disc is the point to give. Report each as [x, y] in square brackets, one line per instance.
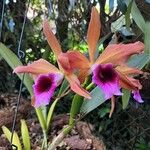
[47, 77]
[109, 71]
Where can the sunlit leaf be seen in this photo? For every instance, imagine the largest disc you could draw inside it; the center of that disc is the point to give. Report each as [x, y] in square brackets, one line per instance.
[96, 100]
[25, 135]
[148, 1]
[15, 140]
[111, 5]
[137, 16]
[127, 15]
[13, 61]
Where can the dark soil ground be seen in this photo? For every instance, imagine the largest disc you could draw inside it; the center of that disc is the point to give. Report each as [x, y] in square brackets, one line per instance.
[81, 137]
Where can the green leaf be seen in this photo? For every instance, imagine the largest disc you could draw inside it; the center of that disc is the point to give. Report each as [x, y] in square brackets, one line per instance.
[137, 16]
[75, 108]
[25, 135]
[139, 61]
[97, 99]
[13, 61]
[15, 141]
[127, 15]
[50, 113]
[63, 87]
[125, 98]
[41, 118]
[146, 37]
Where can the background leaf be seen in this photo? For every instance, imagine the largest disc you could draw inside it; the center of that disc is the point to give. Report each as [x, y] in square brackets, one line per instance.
[13, 61]
[111, 5]
[127, 15]
[147, 37]
[137, 16]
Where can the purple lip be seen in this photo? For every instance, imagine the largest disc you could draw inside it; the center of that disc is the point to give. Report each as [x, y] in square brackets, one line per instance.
[44, 88]
[106, 78]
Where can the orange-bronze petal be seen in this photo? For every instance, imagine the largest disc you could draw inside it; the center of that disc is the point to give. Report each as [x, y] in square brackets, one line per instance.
[52, 40]
[83, 73]
[128, 82]
[93, 33]
[40, 66]
[119, 53]
[73, 60]
[128, 70]
[76, 87]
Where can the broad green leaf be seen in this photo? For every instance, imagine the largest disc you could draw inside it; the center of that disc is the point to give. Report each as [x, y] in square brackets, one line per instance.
[125, 98]
[139, 61]
[127, 15]
[96, 100]
[13, 61]
[147, 37]
[15, 140]
[25, 135]
[137, 16]
[50, 113]
[75, 108]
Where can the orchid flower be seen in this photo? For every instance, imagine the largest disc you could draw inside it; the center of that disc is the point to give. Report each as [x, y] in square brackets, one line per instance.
[46, 76]
[109, 71]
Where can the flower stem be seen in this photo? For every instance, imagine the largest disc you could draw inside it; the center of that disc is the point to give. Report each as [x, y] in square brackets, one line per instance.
[44, 143]
[60, 137]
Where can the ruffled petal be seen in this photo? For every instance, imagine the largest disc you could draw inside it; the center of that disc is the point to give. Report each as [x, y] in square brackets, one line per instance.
[119, 53]
[40, 66]
[105, 77]
[109, 88]
[52, 40]
[137, 96]
[44, 88]
[93, 33]
[128, 82]
[76, 87]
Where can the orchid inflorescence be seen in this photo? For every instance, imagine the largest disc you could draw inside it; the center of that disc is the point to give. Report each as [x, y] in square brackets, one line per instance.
[109, 71]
